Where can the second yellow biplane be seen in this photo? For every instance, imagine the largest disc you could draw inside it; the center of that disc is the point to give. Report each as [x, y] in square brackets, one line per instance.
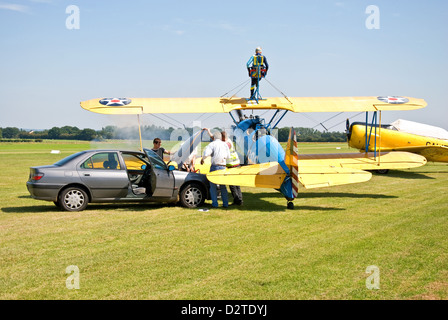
[401, 135]
[264, 163]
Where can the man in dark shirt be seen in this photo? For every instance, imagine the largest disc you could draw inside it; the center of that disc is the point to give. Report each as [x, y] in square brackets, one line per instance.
[158, 149]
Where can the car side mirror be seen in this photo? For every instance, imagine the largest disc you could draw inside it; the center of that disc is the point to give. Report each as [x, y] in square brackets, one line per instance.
[143, 166]
[171, 168]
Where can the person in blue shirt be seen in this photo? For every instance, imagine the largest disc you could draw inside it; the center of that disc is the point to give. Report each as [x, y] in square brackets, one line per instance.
[252, 65]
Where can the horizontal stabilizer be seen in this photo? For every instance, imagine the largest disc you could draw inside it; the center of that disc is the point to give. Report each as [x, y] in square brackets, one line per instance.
[271, 175]
[326, 176]
[363, 161]
[262, 175]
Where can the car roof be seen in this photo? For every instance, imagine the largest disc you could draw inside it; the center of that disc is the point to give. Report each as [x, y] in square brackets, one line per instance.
[114, 150]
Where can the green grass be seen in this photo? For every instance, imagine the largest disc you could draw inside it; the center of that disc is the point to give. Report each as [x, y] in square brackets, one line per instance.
[397, 222]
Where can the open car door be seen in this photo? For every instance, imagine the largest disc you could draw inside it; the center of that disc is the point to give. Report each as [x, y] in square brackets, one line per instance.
[162, 179]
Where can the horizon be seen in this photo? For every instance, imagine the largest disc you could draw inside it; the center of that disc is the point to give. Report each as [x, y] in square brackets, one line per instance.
[52, 58]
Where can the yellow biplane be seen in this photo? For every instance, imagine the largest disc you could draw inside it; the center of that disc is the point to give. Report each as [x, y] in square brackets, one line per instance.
[401, 135]
[264, 163]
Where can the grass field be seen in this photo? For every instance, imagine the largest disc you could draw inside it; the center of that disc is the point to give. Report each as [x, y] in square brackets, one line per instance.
[397, 222]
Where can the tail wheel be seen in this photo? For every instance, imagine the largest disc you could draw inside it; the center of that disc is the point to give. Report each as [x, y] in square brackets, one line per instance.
[192, 195]
[73, 199]
[290, 205]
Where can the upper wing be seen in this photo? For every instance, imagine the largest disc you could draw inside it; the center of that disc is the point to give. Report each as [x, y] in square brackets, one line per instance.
[153, 105]
[224, 105]
[355, 104]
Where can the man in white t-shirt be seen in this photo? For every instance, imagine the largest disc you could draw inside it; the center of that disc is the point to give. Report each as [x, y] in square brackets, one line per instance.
[219, 153]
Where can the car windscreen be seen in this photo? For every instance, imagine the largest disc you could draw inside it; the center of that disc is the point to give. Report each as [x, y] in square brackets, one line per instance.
[68, 159]
[154, 158]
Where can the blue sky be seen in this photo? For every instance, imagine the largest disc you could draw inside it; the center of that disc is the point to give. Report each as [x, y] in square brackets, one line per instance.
[199, 49]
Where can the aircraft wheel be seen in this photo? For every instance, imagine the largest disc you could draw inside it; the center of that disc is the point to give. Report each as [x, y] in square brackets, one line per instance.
[290, 205]
[382, 171]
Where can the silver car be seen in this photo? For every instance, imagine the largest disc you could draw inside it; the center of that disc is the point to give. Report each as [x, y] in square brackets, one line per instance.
[115, 176]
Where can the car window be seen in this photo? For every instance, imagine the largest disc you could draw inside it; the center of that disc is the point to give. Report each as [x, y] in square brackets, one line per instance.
[103, 160]
[133, 162]
[69, 158]
[154, 158]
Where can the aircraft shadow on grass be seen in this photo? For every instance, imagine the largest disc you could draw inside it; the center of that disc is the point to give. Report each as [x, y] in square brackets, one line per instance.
[407, 175]
[307, 195]
[256, 202]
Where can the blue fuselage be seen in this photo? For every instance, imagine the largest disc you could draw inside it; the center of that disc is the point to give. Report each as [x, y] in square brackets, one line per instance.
[254, 145]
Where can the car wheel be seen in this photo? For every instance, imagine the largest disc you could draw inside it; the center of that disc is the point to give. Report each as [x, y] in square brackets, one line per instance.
[73, 199]
[192, 196]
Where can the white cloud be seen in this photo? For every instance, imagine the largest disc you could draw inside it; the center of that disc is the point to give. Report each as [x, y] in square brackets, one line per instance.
[15, 7]
[172, 29]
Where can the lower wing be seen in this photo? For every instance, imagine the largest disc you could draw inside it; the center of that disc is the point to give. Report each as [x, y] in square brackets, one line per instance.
[431, 153]
[363, 161]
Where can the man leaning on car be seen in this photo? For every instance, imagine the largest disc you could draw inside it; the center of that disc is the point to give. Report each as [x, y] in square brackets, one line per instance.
[219, 153]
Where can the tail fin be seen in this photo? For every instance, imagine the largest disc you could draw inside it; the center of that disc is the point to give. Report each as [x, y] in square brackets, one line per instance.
[292, 161]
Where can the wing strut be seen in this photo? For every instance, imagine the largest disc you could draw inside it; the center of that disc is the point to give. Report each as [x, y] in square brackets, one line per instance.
[140, 132]
[374, 124]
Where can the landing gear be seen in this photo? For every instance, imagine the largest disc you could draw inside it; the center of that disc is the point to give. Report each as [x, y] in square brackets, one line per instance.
[382, 171]
[290, 205]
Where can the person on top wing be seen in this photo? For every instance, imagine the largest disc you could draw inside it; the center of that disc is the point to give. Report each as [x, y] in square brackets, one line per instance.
[257, 62]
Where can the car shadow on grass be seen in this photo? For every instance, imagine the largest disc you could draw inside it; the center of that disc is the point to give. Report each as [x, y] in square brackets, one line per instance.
[106, 207]
[252, 202]
[30, 209]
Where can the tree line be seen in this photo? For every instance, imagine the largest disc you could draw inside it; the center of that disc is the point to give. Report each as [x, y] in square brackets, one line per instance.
[149, 133]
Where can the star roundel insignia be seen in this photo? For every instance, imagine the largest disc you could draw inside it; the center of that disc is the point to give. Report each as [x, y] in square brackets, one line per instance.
[393, 99]
[113, 102]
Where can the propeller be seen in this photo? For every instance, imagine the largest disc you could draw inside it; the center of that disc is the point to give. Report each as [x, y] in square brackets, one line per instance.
[348, 132]
[240, 114]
